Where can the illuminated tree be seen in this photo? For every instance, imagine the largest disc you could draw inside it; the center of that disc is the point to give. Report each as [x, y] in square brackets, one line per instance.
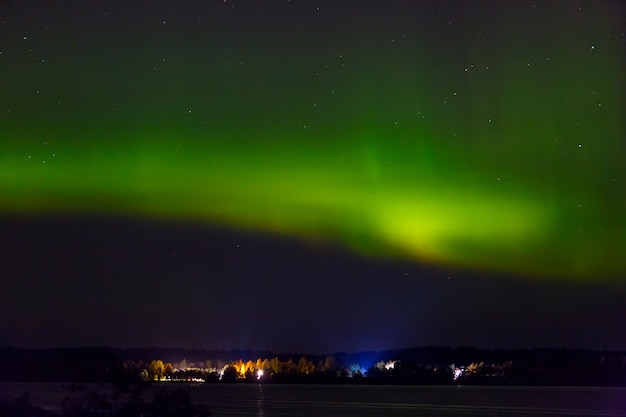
[145, 376]
[289, 366]
[265, 365]
[156, 369]
[275, 365]
[305, 366]
[240, 366]
[250, 367]
[329, 364]
[168, 370]
[476, 368]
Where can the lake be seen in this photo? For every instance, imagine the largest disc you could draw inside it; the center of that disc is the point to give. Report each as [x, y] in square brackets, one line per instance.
[364, 400]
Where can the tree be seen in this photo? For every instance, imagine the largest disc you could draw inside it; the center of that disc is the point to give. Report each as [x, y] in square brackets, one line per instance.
[156, 369]
[275, 365]
[305, 366]
[476, 368]
[265, 365]
[144, 375]
[329, 364]
[168, 370]
[230, 373]
[289, 366]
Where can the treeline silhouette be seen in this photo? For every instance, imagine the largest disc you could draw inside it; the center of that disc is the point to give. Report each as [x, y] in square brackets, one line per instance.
[418, 365]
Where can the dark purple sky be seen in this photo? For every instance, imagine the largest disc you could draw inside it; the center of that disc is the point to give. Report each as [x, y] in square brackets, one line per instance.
[128, 282]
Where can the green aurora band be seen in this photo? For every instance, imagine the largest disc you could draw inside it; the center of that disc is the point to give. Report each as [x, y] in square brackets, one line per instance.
[515, 168]
[398, 204]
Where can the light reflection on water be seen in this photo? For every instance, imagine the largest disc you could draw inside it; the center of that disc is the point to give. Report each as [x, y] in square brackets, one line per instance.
[348, 400]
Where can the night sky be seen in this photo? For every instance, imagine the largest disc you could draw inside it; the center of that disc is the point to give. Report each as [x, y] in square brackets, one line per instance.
[313, 176]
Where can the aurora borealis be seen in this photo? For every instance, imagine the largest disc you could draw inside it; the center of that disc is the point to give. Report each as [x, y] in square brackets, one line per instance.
[484, 136]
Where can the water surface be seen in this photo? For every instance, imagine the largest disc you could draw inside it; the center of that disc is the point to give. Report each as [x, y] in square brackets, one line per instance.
[360, 400]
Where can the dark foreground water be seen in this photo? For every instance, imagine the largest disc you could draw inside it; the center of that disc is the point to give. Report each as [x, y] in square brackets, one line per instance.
[335, 400]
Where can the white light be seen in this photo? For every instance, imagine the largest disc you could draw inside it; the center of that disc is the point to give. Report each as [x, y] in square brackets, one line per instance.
[259, 374]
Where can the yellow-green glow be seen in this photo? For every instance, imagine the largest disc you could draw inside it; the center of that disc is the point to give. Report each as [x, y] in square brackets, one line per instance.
[369, 202]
